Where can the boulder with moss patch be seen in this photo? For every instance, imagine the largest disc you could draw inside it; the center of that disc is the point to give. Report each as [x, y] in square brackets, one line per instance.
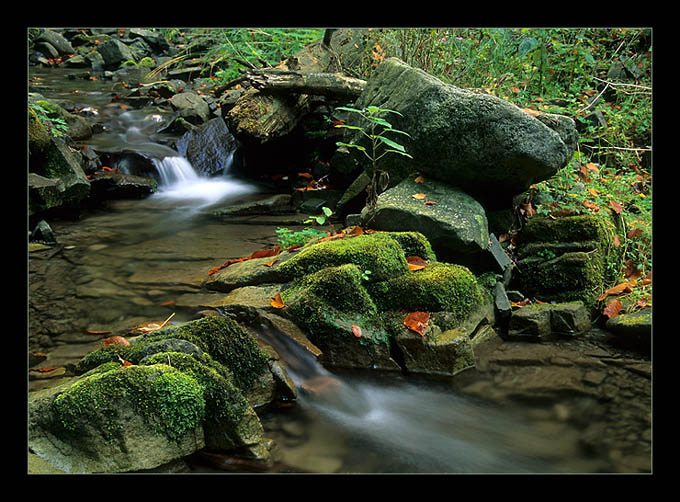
[569, 258]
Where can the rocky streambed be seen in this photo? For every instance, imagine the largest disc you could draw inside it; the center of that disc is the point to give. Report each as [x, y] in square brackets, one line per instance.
[341, 377]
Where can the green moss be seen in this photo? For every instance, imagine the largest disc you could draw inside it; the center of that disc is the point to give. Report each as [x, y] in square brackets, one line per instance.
[377, 252]
[438, 287]
[414, 244]
[169, 401]
[224, 339]
[223, 401]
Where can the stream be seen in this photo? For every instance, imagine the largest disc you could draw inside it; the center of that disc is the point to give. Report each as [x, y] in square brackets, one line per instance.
[134, 261]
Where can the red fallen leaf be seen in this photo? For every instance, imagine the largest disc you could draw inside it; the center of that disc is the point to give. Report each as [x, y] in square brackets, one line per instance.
[270, 263]
[277, 302]
[429, 203]
[416, 263]
[266, 253]
[617, 241]
[294, 247]
[115, 340]
[633, 233]
[356, 330]
[97, 332]
[524, 302]
[616, 206]
[356, 230]
[44, 370]
[417, 321]
[591, 205]
[168, 303]
[613, 308]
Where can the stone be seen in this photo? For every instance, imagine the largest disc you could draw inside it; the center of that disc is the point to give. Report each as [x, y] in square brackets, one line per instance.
[209, 147]
[632, 329]
[57, 41]
[456, 225]
[486, 145]
[114, 53]
[191, 106]
[541, 322]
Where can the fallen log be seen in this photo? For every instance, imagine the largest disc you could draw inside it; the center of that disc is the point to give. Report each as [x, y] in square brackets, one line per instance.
[313, 83]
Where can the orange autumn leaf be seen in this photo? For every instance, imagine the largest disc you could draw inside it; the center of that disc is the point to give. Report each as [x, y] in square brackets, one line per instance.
[419, 179]
[592, 167]
[270, 263]
[123, 362]
[591, 205]
[613, 308]
[617, 241]
[356, 330]
[97, 332]
[277, 302]
[531, 112]
[616, 206]
[115, 340]
[419, 196]
[416, 263]
[266, 253]
[356, 230]
[624, 287]
[417, 321]
[429, 203]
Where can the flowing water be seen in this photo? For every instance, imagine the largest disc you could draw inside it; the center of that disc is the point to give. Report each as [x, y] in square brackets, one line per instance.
[126, 260]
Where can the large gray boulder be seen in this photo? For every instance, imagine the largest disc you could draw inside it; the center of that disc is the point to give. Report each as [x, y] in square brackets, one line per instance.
[210, 147]
[453, 222]
[481, 143]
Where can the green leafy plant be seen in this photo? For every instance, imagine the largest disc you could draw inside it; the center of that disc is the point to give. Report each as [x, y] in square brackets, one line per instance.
[379, 146]
[321, 220]
[50, 117]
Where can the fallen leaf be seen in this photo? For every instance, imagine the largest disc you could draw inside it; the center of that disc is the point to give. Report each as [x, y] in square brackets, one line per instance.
[613, 308]
[624, 287]
[617, 241]
[416, 263]
[616, 206]
[591, 205]
[356, 230]
[270, 263]
[417, 321]
[97, 332]
[266, 253]
[527, 208]
[514, 89]
[647, 280]
[147, 327]
[633, 233]
[356, 330]
[429, 203]
[115, 340]
[531, 112]
[524, 302]
[123, 362]
[168, 303]
[419, 196]
[277, 302]
[419, 179]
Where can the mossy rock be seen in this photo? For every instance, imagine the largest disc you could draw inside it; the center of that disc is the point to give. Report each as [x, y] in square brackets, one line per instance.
[122, 419]
[330, 305]
[378, 252]
[569, 258]
[438, 287]
[228, 343]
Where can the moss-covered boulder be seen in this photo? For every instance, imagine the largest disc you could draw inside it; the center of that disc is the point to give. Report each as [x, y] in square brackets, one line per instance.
[118, 420]
[57, 179]
[455, 225]
[569, 258]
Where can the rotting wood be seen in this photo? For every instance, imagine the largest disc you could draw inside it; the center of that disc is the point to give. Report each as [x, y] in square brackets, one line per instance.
[313, 83]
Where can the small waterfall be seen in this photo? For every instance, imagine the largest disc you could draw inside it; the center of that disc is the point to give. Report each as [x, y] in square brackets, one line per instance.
[180, 182]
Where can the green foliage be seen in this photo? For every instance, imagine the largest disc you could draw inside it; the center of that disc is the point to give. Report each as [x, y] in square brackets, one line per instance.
[379, 145]
[288, 238]
[50, 117]
[320, 220]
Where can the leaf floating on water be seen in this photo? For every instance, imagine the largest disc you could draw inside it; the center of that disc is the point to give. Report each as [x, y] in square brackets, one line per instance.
[115, 340]
[277, 302]
[416, 263]
[356, 330]
[417, 321]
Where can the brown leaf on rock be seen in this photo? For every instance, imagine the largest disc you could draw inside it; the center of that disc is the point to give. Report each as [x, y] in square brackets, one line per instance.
[115, 340]
[417, 321]
[613, 308]
[416, 263]
[419, 196]
[277, 302]
[624, 287]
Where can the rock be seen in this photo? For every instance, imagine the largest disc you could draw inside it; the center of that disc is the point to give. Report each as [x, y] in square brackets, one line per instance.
[633, 330]
[98, 424]
[155, 39]
[481, 143]
[276, 204]
[114, 53]
[247, 273]
[57, 41]
[43, 232]
[568, 258]
[58, 179]
[447, 353]
[107, 185]
[540, 322]
[455, 225]
[191, 106]
[209, 148]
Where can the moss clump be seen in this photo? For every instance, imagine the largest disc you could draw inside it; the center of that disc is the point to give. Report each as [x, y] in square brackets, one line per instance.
[377, 252]
[169, 401]
[224, 339]
[438, 287]
[223, 401]
[414, 244]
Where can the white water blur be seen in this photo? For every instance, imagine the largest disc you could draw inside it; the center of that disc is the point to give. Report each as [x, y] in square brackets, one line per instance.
[180, 184]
